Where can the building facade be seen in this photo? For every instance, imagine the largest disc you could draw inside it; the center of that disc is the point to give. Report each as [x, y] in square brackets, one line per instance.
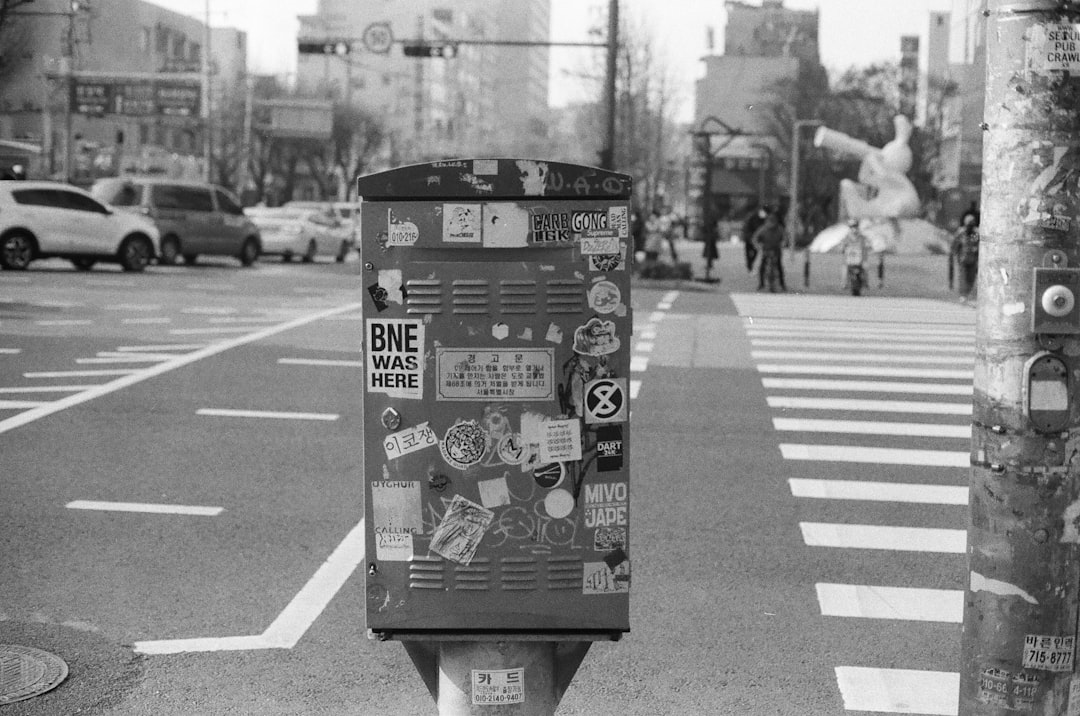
[474, 101]
[116, 86]
[765, 48]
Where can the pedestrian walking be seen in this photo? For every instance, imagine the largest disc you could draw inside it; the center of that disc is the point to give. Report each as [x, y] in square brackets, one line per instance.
[710, 251]
[965, 251]
[769, 239]
[752, 224]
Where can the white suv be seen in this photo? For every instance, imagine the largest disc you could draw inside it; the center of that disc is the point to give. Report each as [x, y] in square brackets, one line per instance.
[41, 219]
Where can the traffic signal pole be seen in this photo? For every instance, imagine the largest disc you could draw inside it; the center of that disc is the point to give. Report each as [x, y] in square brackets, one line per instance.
[1023, 592]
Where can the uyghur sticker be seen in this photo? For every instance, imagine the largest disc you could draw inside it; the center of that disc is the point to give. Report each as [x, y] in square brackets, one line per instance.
[596, 338]
[464, 444]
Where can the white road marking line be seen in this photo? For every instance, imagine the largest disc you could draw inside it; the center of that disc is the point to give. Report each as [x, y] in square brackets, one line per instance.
[21, 404]
[635, 388]
[872, 386]
[64, 322]
[644, 346]
[903, 691]
[78, 373]
[647, 333]
[129, 357]
[163, 347]
[885, 372]
[962, 350]
[211, 310]
[638, 364]
[875, 455]
[878, 491]
[353, 317]
[133, 307]
[887, 331]
[10, 351]
[900, 539]
[57, 304]
[293, 621]
[145, 321]
[244, 319]
[873, 427]
[145, 507]
[110, 283]
[901, 357]
[323, 362]
[138, 376]
[216, 329]
[47, 388]
[656, 316]
[229, 413]
[879, 406]
[15, 279]
[907, 603]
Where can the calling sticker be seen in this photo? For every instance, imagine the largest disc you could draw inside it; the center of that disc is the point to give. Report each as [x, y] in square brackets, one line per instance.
[498, 686]
[1049, 653]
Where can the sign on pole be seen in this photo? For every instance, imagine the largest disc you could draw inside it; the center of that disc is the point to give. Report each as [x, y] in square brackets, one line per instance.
[378, 38]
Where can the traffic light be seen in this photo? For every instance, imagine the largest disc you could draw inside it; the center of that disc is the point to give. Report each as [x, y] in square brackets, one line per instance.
[325, 47]
[446, 50]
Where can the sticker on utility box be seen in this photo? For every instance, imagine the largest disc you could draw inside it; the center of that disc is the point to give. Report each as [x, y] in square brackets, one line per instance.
[495, 373]
[409, 440]
[498, 686]
[1049, 653]
[395, 357]
[1054, 47]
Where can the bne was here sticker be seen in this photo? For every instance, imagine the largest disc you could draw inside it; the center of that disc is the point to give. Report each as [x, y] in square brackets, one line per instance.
[395, 357]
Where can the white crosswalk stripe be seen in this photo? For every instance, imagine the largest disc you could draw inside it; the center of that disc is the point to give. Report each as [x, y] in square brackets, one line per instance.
[872, 382]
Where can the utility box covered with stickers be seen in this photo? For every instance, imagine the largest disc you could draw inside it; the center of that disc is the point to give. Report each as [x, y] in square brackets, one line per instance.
[497, 329]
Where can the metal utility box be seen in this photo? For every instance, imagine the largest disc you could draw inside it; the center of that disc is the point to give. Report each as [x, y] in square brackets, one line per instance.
[497, 330]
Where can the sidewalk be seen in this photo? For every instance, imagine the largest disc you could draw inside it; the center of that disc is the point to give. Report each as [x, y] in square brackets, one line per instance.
[905, 276]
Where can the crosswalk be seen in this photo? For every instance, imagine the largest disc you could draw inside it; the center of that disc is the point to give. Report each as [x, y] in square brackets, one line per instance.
[848, 380]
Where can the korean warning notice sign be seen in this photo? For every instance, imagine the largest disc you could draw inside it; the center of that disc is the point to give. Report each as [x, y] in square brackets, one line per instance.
[498, 686]
[395, 357]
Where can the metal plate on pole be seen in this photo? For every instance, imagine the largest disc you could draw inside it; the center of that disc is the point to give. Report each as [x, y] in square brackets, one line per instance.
[378, 38]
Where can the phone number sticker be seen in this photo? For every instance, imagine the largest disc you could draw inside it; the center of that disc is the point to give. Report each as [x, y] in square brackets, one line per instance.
[1049, 653]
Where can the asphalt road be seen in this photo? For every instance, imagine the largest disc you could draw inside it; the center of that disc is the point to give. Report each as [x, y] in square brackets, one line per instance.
[772, 575]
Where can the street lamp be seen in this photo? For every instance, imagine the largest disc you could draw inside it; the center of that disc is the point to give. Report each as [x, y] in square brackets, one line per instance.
[793, 204]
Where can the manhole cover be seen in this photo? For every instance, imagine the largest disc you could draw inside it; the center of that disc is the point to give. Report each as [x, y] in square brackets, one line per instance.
[26, 672]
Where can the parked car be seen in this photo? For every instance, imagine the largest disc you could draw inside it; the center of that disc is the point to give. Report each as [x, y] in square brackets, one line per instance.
[41, 219]
[194, 218]
[287, 231]
[346, 212]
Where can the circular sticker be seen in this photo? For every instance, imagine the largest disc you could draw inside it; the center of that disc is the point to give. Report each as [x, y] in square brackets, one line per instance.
[464, 444]
[559, 503]
[512, 449]
[604, 297]
[605, 401]
[550, 474]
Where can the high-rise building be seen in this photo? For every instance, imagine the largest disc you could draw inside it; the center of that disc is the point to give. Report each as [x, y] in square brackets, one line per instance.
[472, 101]
[139, 68]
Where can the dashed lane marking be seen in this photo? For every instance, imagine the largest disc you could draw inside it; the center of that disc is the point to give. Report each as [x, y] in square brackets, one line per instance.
[145, 507]
[46, 388]
[322, 362]
[145, 321]
[877, 602]
[65, 322]
[876, 455]
[21, 404]
[79, 373]
[876, 406]
[878, 491]
[900, 539]
[272, 414]
[869, 427]
[131, 378]
[163, 347]
[901, 691]
[900, 358]
[866, 371]
[871, 386]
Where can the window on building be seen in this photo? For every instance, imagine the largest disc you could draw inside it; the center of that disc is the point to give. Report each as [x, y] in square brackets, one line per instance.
[179, 47]
[144, 134]
[194, 52]
[145, 38]
[161, 40]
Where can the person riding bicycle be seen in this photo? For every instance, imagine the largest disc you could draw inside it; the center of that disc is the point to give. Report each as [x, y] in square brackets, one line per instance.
[854, 247]
[769, 237]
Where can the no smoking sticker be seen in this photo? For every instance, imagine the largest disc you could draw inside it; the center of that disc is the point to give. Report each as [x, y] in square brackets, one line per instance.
[605, 400]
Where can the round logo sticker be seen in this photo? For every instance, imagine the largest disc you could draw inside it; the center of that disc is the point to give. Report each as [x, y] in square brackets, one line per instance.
[605, 401]
[604, 297]
[512, 449]
[464, 444]
[549, 475]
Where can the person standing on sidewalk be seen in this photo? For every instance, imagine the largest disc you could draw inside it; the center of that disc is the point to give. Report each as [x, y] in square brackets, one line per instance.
[769, 237]
[752, 224]
[965, 249]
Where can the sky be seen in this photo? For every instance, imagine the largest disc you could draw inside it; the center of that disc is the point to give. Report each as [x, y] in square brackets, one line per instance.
[852, 32]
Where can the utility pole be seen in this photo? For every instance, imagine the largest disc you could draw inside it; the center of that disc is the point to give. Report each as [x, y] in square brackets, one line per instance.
[796, 156]
[1023, 591]
[69, 90]
[607, 156]
[208, 141]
